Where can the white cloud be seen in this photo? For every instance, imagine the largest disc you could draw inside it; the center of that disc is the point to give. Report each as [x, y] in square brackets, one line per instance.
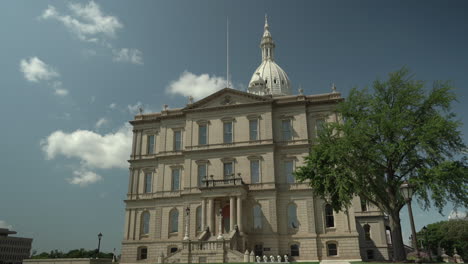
[113, 106]
[87, 21]
[134, 109]
[455, 214]
[36, 70]
[197, 86]
[84, 178]
[4, 224]
[101, 122]
[92, 149]
[128, 55]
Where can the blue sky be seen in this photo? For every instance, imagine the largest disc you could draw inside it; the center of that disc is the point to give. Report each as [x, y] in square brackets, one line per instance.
[74, 72]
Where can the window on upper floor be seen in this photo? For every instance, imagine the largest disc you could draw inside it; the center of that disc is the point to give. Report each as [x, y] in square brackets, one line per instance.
[142, 253]
[177, 140]
[319, 125]
[151, 141]
[367, 234]
[175, 183]
[202, 134]
[253, 129]
[174, 221]
[363, 205]
[257, 217]
[289, 171]
[329, 216]
[286, 129]
[202, 173]
[145, 223]
[198, 217]
[228, 169]
[148, 182]
[292, 216]
[227, 132]
[332, 249]
[255, 171]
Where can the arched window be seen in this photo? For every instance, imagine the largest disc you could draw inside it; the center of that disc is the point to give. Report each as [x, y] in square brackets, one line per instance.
[145, 222]
[292, 216]
[329, 217]
[294, 250]
[174, 221]
[257, 217]
[367, 232]
[332, 249]
[199, 218]
[142, 253]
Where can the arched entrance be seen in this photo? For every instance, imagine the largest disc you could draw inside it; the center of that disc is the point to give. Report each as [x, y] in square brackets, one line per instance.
[226, 218]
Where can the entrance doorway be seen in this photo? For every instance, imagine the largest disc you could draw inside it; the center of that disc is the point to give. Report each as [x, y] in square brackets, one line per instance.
[226, 218]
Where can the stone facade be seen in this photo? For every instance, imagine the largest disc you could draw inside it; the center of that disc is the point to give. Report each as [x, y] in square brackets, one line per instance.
[228, 158]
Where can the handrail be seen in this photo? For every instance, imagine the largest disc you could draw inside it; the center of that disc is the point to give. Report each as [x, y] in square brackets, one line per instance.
[231, 181]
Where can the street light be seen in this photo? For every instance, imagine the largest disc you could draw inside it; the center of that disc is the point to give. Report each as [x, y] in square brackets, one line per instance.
[187, 213]
[407, 191]
[428, 248]
[99, 244]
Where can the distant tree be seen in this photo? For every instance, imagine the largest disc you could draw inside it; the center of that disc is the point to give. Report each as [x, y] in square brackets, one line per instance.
[396, 133]
[74, 253]
[448, 235]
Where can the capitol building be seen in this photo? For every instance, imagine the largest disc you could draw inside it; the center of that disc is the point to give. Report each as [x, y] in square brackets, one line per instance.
[213, 181]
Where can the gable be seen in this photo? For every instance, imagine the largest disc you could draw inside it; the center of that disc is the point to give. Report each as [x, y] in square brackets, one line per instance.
[226, 97]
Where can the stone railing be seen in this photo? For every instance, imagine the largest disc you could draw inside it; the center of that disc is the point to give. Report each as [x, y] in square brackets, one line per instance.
[231, 181]
[194, 246]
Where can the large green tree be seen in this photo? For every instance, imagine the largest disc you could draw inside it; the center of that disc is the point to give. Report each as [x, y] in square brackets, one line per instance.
[397, 131]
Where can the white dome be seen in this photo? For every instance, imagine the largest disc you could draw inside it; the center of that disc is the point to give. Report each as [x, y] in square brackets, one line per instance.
[275, 79]
[269, 78]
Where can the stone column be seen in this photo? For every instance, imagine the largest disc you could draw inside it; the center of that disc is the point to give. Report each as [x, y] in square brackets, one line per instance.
[239, 214]
[203, 214]
[210, 215]
[231, 213]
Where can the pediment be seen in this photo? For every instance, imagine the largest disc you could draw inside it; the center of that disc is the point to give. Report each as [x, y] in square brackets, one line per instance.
[226, 97]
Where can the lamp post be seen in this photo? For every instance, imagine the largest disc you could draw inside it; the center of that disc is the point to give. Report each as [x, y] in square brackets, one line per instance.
[428, 248]
[407, 192]
[99, 244]
[187, 213]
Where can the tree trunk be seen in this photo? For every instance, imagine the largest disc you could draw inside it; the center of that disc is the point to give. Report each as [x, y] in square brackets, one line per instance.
[399, 253]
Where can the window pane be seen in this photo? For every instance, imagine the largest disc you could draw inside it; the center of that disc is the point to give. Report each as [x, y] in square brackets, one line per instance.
[148, 182]
[228, 169]
[151, 144]
[367, 232]
[257, 212]
[255, 171]
[201, 174]
[227, 132]
[199, 218]
[292, 216]
[253, 125]
[289, 169]
[332, 249]
[202, 135]
[177, 140]
[319, 123]
[329, 218]
[174, 221]
[295, 250]
[286, 129]
[175, 179]
[146, 222]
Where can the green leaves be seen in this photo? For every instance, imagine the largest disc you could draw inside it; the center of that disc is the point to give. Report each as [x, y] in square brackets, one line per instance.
[397, 131]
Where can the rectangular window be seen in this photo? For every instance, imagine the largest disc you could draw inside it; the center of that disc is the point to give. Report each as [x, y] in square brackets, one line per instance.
[255, 171]
[150, 149]
[363, 205]
[289, 169]
[253, 129]
[227, 128]
[177, 140]
[202, 135]
[286, 129]
[148, 177]
[175, 180]
[227, 170]
[201, 174]
[319, 123]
